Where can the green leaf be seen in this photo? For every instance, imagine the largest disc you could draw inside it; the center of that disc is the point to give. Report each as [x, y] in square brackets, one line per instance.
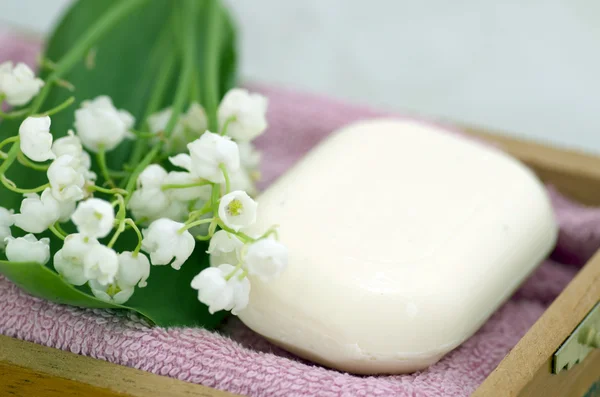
[42, 282]
[167, 300]
[126, 63]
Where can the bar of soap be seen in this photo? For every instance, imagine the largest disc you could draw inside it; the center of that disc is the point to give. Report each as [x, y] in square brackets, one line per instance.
[404, 239]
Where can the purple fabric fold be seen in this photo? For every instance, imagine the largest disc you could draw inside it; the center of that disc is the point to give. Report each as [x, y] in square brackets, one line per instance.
[240, 361]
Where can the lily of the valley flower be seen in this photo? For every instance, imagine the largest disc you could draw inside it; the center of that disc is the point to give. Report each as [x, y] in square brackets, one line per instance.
[207, 154]
[71, 145]
[112, 293]
[244, 113]
[66, 178]
[38, 213]
[221, 289]
[94, 218]
[167, 244]
[237, 210]
[6, 221]
[36, 139]
[133, 269]
[224, 248]
[68, 261]
[266, 258]
[189, 127]
[101, 264]
[18, 84]
[28, 249]
[101, 126]
[149, 201]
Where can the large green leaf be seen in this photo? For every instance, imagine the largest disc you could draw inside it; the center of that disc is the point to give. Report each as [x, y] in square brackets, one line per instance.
[43, 282]
[126, 63]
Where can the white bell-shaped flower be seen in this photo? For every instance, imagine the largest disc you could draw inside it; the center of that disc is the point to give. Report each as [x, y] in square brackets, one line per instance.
[36, 139]
[206, 156]
[94, 218]
[133, 270]
[246, 112]
[6, 221]
[220, 293]
[28, 249]
[224, 248]
[195, 119]
[68, 261]
[167, 244]
[101, 126]
[18, 84]
[111, 293]
[38, 213]
[237, 210]
[71, 145]
[266, 258]
[66, 178]
[101, 264]
[249, 156]
[189, 193]
[149, 201]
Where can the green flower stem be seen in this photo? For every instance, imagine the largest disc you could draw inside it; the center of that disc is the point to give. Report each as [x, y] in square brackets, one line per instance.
[103, 25]
[122, 212]
[14, 114]
[184, 186]
[30, 164]
[226, 176]
[234, 271]
[215, 197]
[96, 188]
[242, 236]
[188, 226]
[131, 223]
[206, 208]
[181, 96]
[213, 41]
[57, 232]
[7, 141]
[272, 230]
[58, 227]
[227, 122]
[101, 159]
[211, 231]
[10, 156]
[115, 237]
[10, 185]
[144, 135]
[58, 108]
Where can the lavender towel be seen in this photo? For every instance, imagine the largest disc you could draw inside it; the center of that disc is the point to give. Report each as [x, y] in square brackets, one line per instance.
[242, 362]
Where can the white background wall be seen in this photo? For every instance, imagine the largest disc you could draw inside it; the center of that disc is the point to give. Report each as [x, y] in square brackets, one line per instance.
[530, 67]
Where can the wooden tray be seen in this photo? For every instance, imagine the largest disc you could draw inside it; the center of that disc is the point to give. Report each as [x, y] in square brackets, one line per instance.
[28, 369]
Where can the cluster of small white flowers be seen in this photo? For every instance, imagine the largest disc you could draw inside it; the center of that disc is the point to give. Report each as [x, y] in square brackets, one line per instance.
[207, 199]
[18, 84]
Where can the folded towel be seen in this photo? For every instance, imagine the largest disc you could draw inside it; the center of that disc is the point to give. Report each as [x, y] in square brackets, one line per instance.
[240, 361]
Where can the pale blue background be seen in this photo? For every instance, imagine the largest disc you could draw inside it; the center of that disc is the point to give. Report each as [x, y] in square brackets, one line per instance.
[524, 66]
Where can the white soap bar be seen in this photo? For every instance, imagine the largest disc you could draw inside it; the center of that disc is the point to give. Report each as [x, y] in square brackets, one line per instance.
[403, 240]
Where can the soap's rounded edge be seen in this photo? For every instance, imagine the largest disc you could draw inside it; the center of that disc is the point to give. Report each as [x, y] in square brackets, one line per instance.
[376, 366]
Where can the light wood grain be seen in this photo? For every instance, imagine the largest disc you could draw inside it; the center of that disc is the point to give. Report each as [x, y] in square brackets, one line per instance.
[574, 173]
[31, 370]
[526, 371]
